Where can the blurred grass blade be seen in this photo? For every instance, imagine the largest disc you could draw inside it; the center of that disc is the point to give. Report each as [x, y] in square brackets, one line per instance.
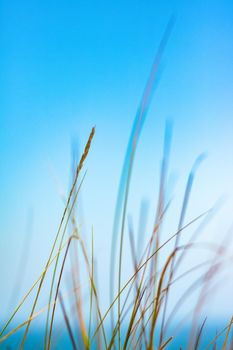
[67, 321]
[123, 191]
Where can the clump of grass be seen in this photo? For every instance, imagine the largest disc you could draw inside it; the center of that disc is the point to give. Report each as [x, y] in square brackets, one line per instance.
[143, 316]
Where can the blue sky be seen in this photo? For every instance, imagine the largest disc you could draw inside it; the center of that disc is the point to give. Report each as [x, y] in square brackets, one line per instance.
[66, 66]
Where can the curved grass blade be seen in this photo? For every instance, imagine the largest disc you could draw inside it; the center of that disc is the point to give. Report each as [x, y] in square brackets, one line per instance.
[123, 191]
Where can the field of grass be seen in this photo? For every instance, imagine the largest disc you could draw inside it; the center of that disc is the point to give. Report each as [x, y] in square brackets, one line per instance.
[139, 316]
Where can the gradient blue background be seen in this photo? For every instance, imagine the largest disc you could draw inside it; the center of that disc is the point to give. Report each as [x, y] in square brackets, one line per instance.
[69, 65]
